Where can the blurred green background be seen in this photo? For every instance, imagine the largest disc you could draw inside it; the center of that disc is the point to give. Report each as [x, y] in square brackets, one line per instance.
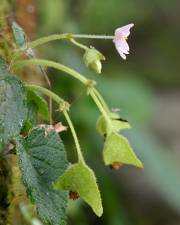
[145, 88]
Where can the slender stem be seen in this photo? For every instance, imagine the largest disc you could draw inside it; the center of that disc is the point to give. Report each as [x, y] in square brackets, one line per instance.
[79, 44]
[50, 111]
[49, 38]
[15, 56]
[52, 64]
[101, 108]
[80, 156]
[54, 37]
[43, 71]
[72, 73]
[59, 100]
[93, 36]
[47, 92]
[101, 100]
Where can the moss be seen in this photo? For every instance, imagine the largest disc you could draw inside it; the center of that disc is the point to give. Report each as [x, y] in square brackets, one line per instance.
[5, 181]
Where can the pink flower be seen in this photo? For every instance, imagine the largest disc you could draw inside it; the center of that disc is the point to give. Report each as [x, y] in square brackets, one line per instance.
[120, 39]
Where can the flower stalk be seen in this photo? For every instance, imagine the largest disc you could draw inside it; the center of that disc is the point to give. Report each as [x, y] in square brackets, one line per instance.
[69, 36]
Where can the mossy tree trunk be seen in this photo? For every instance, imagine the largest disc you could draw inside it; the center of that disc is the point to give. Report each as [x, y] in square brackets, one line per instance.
[5, 184]
[5, 171]
[11, 188]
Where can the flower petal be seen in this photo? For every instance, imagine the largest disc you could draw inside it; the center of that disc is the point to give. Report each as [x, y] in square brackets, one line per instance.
[122, 45]
[122, 55]
[123, 31]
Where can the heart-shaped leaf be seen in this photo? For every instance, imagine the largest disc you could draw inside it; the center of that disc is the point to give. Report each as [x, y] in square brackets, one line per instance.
[42, 159]
[118, 150]
[81, 179]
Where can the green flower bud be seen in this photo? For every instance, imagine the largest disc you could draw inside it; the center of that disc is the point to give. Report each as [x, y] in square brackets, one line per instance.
[92, 59]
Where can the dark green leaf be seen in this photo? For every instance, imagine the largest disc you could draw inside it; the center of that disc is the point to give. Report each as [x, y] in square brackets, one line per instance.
[13, 110]
[31, 120]
[36, 105]
[41, 104]
[42, 160]
[19, 35]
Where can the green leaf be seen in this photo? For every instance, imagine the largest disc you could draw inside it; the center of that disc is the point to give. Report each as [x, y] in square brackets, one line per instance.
[32, 116]
[36, 105]
[19, 35]
[3, 67]
[13, 109]
[42, 159]
[81, 179]
[117, 122]
[41, 104]
[118, 150]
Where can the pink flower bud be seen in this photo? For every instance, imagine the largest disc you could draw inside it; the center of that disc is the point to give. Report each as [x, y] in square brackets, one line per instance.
[120, 40]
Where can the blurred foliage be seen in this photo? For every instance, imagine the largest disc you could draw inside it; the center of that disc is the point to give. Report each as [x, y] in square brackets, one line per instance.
[130, 86]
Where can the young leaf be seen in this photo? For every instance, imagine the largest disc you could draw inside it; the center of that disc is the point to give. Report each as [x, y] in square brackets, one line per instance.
[118, 150]
[13, 109]
[41, 104]
[81, 179]
[42, 159]
[19, 35]
[117, 123]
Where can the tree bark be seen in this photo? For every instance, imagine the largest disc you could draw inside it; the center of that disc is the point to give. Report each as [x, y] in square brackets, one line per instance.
[5, 184]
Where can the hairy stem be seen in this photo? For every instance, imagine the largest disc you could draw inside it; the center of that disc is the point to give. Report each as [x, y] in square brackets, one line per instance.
[102, 110]
[54, 37]
[51, 64]
[101, 100]
[84, 47]
[93, 36]
[60, 102]
[80, 157]
[47, 39]
[74, 74]
[47, 92]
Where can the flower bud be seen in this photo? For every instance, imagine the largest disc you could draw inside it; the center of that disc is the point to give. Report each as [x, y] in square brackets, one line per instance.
[92, 59]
